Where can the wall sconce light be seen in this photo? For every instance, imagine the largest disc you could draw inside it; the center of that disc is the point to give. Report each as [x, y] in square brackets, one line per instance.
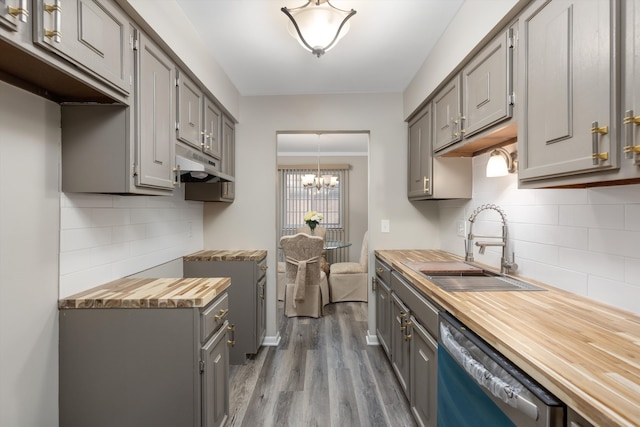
[501, 162]
[318, 27]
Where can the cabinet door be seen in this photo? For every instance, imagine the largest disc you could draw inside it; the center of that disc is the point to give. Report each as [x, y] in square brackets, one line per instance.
[486, 83]
[212, 131]
[400, 357]
[446, 115]
[631, 83]
[14, 18]
[215, 379]
[424, 375]
[91, 33]
[420, 155]
[566, 69]
[261, 315]
[228, 147]
[155, 116]
[190, 102]
[383, 315]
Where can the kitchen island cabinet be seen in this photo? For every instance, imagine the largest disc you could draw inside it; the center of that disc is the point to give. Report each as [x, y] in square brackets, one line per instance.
[145, 352]
[583, 351]
[247, 302]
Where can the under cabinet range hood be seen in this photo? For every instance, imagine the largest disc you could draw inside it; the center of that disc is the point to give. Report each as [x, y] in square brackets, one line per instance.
[195, 167]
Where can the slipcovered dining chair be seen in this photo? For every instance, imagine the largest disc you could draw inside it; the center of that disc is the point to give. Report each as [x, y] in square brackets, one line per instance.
[348, 280]
[306, 289]
[322, 232]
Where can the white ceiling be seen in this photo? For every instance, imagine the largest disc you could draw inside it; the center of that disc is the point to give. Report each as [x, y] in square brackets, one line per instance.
[386, 45]
[325, 144]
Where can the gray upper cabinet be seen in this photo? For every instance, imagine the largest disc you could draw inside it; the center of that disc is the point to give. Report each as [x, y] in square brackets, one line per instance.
[567, 92]
[190, 101]
[420, 155]
[155, 113]
[199, 119]
[15, 18]
[487, 86]
[447, 115]
[111, 148]
[631, 85]
[212, 129]
[429, 177]
[92, 34]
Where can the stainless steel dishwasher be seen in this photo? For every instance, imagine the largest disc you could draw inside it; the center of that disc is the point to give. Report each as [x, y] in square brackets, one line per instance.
[477, 386]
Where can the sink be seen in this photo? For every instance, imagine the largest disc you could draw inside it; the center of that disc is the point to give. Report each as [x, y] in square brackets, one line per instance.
[459, 278]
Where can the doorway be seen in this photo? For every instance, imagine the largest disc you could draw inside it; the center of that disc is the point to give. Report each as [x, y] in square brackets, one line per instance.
[339, 154]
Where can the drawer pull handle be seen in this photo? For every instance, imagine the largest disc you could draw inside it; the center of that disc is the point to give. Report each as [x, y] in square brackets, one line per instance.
[221, 314]
[379, 270]
[403, 315]
[408, 337]
[629, 121]
[21, 12]
[54, 9]
[264, 267]
[595, 131]
[232, 329]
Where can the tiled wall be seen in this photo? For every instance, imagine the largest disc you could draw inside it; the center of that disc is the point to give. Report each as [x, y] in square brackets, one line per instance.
[106, 237]
[586, 241]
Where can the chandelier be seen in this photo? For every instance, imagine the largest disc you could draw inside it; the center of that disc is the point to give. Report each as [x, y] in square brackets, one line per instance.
[318, 25]
[318, 181]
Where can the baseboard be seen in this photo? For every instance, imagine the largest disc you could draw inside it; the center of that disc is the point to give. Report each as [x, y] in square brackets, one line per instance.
[372, 339]
[271, 341]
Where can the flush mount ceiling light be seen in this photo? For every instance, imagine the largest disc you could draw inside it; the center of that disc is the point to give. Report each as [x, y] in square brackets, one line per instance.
[501, 163]
[318, 25]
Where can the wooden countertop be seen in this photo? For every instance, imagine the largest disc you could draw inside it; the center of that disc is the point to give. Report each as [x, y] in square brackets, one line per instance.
[585, 352]
[226, 255]
[149, 293]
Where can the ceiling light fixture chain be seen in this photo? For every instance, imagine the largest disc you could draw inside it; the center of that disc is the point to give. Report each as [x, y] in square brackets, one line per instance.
[319, 23]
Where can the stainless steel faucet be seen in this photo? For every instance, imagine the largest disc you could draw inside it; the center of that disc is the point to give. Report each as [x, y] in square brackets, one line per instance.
[506, 264]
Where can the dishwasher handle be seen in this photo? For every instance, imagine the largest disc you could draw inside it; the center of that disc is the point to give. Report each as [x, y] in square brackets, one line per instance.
[484, 377]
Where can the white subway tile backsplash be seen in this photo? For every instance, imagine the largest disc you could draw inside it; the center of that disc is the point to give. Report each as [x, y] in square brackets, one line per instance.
[615, 293]
[585, 241]
[632, 217]
[106, 237]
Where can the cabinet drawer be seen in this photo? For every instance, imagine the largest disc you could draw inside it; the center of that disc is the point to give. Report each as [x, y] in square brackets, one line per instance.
[214, 316]
[425, 311]
[262, 268]
[383, 271]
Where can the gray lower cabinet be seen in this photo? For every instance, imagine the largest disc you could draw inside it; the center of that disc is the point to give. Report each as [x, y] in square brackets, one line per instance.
[247, 302]
[424, 369]
[383, 305]
[414, 348]
[144, 367]
[400, 344]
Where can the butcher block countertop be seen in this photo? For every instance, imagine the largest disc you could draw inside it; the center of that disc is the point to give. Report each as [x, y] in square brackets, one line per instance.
[149, 293]
[225, 255]
[584, 352]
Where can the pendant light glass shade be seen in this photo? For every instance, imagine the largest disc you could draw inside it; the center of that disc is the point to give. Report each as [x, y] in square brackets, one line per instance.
[318, 25]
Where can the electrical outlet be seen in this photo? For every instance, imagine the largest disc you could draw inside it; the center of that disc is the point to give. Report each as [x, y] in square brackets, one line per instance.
[461, 228]
[384, 226]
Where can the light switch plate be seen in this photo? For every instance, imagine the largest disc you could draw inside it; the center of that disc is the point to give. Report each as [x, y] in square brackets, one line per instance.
[384, 226]
[461, 226]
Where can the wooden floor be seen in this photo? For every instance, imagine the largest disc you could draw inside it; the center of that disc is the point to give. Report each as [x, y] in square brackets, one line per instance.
[323, 373]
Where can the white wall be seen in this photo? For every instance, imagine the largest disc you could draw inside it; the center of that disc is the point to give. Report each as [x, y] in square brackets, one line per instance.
[29, 226]
[249, 223]
[582, 240]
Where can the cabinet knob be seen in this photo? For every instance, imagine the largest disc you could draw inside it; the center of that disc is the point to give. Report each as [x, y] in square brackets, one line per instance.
[408, 337]
[379, 270]
[264, 267]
